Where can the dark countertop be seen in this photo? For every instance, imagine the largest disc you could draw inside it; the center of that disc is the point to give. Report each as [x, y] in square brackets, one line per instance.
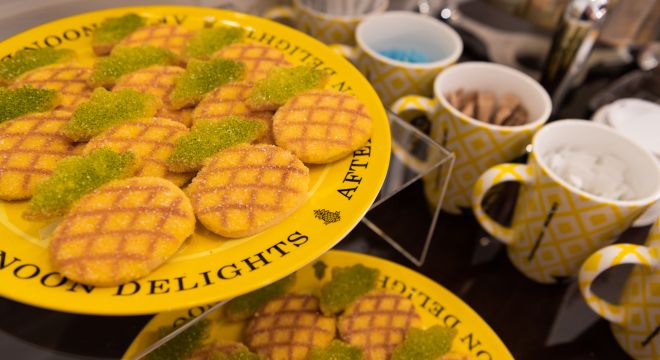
[520, 311]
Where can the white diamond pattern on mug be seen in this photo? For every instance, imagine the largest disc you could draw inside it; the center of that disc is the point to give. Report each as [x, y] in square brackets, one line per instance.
[394, 81]
[636, 321]
[495, 147]
[577, 225]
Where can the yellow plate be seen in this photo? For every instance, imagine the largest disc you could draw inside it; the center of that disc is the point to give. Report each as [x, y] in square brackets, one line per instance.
[208, 268]
[434, 303]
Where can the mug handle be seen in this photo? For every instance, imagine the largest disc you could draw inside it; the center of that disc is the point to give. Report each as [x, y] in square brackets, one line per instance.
[493, 176]
[349, 52]
[415, 103]
[280, 12]
[604, 259]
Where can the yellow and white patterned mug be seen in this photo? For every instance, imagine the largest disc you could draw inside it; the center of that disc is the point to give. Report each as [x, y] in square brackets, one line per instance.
[328, 21]
[476, 144]
[635, 322]
[402, 30]
[556, 226]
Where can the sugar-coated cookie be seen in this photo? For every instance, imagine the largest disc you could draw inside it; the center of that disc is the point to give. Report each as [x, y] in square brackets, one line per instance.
[207, 41]
[288, 327]
[246, 189]
[121, 231]
[151, 140]
[30, 147]
[208, 137]
[125, 60]
[112, 30]
[377, 322]
[322, 126]
[105, 109]
[157, 80]
[281, 84]
[26, 100]
[72, 178]
[201, 77]
[70, 81]
[259, 59]
[170, 37]
[28, 59]
[229, 99]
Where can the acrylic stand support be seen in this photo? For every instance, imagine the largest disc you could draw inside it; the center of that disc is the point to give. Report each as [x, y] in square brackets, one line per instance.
[406, 209]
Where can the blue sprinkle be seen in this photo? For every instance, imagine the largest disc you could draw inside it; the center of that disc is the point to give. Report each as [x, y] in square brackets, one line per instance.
[407, 55]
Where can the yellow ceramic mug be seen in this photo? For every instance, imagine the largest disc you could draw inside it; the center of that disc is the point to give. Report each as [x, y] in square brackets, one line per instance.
[476, 144]
[402, 30]
[328, 21]
[636, 322]
[555, 225]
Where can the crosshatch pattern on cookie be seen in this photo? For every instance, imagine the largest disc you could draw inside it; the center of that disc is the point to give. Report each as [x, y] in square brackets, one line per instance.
[246, 186]
[155, 80]
[151, 140]
[171, 37]
[158, 81]
[288, 327]
[259, 59]
[229, 99]
[325, 122]
[121, 231]
[377, 322]
[69, 80]
[30, 147]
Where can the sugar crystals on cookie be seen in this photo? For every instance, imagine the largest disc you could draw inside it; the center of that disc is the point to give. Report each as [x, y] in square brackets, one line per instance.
[26, 100]
[246, 189]
[74, 177]
[121, 231]
[28, 59]
[125, 60]
[112, 30]
[322, 126]
[208, 137]
[105, 109]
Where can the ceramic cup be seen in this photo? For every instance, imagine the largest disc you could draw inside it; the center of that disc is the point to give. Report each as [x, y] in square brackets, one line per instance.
[637, 119]
[402, 30]
[328, 21]
[477, 145]
[636, 321]
[556, 226]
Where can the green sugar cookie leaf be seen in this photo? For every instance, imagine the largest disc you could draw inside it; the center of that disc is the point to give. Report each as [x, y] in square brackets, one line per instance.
[282, 84]
[201, 77]
[238, 355]
[25, 100]
[427, 344]
[183, 344]
[243, 307]
[337, 350]
[208, 137]
[105, 109]
[74, 177]
[222, 350]
[113, 29]
[207, 41]
[347, 284]
[124, 60]
[26, 60]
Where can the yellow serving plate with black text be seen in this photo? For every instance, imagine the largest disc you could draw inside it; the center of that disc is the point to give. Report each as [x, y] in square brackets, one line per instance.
[207, 268]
